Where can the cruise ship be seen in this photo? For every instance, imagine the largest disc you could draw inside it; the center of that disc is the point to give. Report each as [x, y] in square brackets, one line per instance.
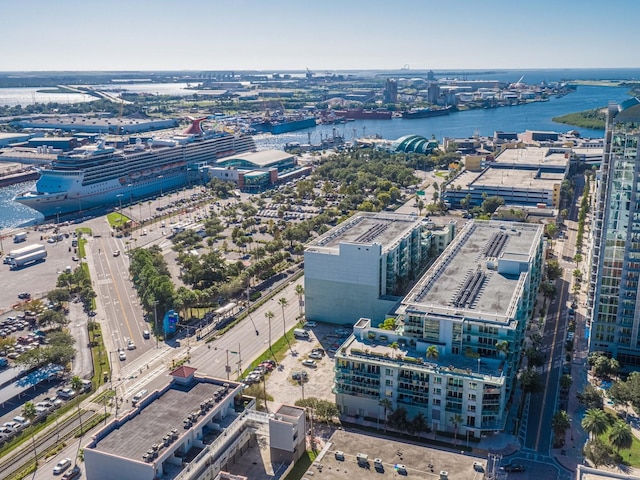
[97, 175]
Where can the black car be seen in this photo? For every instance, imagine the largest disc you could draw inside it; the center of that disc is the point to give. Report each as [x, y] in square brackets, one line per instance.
[512, 467]
[73, 473]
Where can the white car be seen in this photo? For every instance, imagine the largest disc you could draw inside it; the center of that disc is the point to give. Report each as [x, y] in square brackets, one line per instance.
[310, 363]
[131, 345]
[62, 466]
[122, 355]
[310, 324]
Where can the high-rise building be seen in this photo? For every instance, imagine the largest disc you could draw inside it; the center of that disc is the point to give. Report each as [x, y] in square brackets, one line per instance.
[615, 271]
[391, 91]
[362, 266]
[454, 352]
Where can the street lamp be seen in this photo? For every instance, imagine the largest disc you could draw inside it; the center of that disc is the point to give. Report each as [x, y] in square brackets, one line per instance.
[160, 177]
[155, 315]
[120, 199]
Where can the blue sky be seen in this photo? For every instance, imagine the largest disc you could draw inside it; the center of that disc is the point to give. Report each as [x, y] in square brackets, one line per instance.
[318, 34]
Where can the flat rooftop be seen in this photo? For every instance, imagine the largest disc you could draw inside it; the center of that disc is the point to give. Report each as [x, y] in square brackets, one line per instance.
[368, 228]
[263, 158]
[420, 461]
[469, 265]
[519, 179]
[488, 368]
[166, 412]
[539, 156]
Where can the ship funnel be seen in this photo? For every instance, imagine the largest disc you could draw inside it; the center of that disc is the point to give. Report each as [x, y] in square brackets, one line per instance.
[196, 126]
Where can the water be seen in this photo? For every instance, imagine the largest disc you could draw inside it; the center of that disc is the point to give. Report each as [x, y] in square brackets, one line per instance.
[29, 96]
[460, 124]
[536, 116]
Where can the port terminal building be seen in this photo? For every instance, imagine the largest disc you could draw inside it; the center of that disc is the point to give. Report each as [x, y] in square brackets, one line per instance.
[458, 334]
[362, 266]
[195, 427]
[95, 124]
[258, 171]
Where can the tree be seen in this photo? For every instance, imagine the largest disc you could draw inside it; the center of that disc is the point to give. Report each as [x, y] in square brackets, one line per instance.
[560, 424]
[554, 270]
[432, 352]
[590, 397]
[386, 404]
[29, 412]
[300, 293]
[502, 347]
[577, 258]
[565, 382]
[419, 423]
[457, 421]
[76, 384]
[620, 435]
[269, 315]
[491, 204]
[597, 452]
[530, 381]
[283, 303]
[595, 422]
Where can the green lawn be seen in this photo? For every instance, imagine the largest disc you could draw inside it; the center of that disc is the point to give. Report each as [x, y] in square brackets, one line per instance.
[117, 219]
[630, 457]
[302, 465]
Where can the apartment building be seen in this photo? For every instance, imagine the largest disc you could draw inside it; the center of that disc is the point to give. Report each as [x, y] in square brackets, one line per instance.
[615, 263]
[454, 353]
[362, 266]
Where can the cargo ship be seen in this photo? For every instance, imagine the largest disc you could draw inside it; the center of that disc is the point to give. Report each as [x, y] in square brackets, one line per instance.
[279, 125]
[360, 114]
[426, 112]
[97, 175]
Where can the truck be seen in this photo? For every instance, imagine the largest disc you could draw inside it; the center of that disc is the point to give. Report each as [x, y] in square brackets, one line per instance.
[28, 259]
[20, 237]
[300, 333]
[23, 251]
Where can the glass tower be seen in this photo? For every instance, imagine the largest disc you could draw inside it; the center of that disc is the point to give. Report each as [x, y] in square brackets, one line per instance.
[613, 288]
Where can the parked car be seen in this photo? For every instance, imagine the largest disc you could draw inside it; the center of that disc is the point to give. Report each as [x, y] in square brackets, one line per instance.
[24, 295]
[62, 466]
[66, 393]
[315, 356]
[512, 467]
[299, 375]
[310, 324]
[318, 350]
[309, 363]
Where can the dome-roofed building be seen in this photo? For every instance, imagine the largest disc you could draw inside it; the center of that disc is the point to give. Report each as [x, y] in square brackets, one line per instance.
[413, 144]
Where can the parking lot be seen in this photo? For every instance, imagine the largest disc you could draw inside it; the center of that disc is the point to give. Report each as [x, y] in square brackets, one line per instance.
[357, 454]
[284, 389]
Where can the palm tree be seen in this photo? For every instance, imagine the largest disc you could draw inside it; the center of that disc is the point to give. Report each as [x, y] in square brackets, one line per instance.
[560, 424]
[620, 435]
[76, 384]
[283, 303]
[269, 315]
[386, 404]
[565, 382]
[502, 348]
[456, 420]
[432, 352]
[299, 292]
[595, 422]
[29, 412]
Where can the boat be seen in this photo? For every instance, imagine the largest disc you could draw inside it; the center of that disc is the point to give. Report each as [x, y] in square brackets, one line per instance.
[97, 175]
[360, 114]
[277, 125]
[426, 112]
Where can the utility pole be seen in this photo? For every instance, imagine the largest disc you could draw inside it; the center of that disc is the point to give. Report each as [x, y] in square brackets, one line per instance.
[227, 368]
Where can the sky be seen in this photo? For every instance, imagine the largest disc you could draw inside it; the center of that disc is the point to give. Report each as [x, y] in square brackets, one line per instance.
[322, 35]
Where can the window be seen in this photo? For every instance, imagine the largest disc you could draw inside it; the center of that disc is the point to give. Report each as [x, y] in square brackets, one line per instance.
[388, 371]
[438, 380]
[388, 382]
[436, 401]
[437, 391]
[472, 397]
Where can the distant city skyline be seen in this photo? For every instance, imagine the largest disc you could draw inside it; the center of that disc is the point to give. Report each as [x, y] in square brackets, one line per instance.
[39, 35]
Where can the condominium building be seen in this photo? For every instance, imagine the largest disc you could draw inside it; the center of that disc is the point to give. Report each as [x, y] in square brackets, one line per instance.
[360, 267]
[454, 352]
[191, 429]
[615, 263]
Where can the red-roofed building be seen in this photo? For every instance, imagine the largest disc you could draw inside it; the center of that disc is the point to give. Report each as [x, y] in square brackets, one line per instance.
[183, 374]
